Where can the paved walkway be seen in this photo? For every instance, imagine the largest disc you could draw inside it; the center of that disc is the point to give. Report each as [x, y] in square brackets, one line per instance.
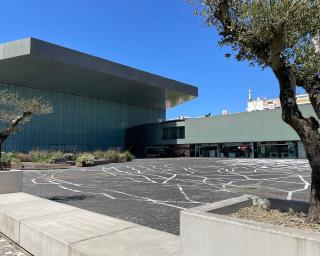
[152, 192]
[7, 249]
[46, 228]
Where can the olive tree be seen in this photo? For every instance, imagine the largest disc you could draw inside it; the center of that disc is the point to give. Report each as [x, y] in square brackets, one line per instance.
[16, 110]
[282, 35]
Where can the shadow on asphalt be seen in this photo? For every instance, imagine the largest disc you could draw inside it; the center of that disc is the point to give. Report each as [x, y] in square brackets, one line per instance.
[62, 199]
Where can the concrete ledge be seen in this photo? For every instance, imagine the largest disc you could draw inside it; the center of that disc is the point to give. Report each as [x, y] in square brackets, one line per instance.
[206, 232]
[10, 181]
[44, 166]
[137, 240]
[43, 227]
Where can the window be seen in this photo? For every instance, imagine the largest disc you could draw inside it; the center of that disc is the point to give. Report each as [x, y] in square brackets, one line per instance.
[173, 133]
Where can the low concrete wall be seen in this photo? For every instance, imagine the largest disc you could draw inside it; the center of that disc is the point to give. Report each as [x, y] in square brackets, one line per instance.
[47, 228]
[204, 233]
[10, 181]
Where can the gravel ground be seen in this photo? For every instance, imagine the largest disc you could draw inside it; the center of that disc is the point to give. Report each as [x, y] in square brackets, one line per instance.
[276, 217]
[8, 249]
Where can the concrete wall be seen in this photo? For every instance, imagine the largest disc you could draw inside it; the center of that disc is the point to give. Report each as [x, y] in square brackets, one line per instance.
[10, 181]
[265, 125]
[256, 126]
[206, 234]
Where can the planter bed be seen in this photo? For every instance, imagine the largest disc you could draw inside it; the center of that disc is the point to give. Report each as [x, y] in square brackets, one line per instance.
[10, 165]
[206, 230]
[96, 162]
[43, 166]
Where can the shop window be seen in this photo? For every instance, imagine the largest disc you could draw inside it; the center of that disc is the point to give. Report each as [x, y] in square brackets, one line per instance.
[173, 133]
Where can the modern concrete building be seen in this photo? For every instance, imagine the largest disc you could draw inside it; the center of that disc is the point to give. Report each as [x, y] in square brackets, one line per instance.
[247, 134]
[95, 100]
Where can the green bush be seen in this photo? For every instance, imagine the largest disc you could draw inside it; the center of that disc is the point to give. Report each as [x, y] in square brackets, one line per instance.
[112, 155]
[69, 156]
[115, 156]
[87, 158]
[44, 156]
[58, 154]
[129, 156]
[122, 158]
[24, 157]
[54, 156]
[39, 155]
[7, 157]
[99, 154]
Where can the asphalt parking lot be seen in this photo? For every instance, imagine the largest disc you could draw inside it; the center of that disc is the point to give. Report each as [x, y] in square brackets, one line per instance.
[152, 192]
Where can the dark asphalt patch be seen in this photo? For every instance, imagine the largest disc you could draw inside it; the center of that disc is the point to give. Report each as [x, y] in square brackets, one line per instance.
[152, 192]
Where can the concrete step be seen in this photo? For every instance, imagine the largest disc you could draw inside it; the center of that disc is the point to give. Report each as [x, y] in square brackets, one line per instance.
[46, 228]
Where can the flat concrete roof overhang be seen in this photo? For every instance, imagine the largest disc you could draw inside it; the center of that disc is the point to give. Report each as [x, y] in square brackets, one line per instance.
[41, 65]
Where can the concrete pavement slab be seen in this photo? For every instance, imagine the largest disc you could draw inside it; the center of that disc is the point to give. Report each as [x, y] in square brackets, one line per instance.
[136, 241]
[16, 198]
[12, 214]
[52, 235]
[43, 227]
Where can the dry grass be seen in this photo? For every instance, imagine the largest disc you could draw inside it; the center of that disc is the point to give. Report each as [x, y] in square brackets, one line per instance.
[276, 217]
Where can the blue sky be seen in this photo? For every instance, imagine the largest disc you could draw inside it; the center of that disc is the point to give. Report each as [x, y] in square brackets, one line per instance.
[159, 36]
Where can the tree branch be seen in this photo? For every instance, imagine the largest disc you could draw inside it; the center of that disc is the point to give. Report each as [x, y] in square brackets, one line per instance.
[11, 126]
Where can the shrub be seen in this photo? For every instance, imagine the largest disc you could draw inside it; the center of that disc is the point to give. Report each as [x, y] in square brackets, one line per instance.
[99, 154]
[115, 156]
[7, 157]
[112, 155]
[129, 156]
[87, 158]
[39, 155]
[44, 156]
[24, 157]
[69, 156]
[56, 154]
[122, 158]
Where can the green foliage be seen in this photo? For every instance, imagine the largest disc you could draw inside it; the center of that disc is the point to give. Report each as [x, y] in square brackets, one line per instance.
[12, 106]
[69, 156]
[7, 157]
[112, 155]
[129, 156]
[43, 156]
[15, 110]
[256, 30]
[99, 154]
[54, 156]
[24, 157]
[87, 158]
[39, 156]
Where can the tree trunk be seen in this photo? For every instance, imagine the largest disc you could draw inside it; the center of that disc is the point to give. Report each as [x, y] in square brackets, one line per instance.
[306, 128]
[1, 165]
[314, 209]
[2, 139]
[312, 148]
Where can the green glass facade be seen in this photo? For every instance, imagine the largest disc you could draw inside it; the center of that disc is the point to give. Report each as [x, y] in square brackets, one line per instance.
[78, 123]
